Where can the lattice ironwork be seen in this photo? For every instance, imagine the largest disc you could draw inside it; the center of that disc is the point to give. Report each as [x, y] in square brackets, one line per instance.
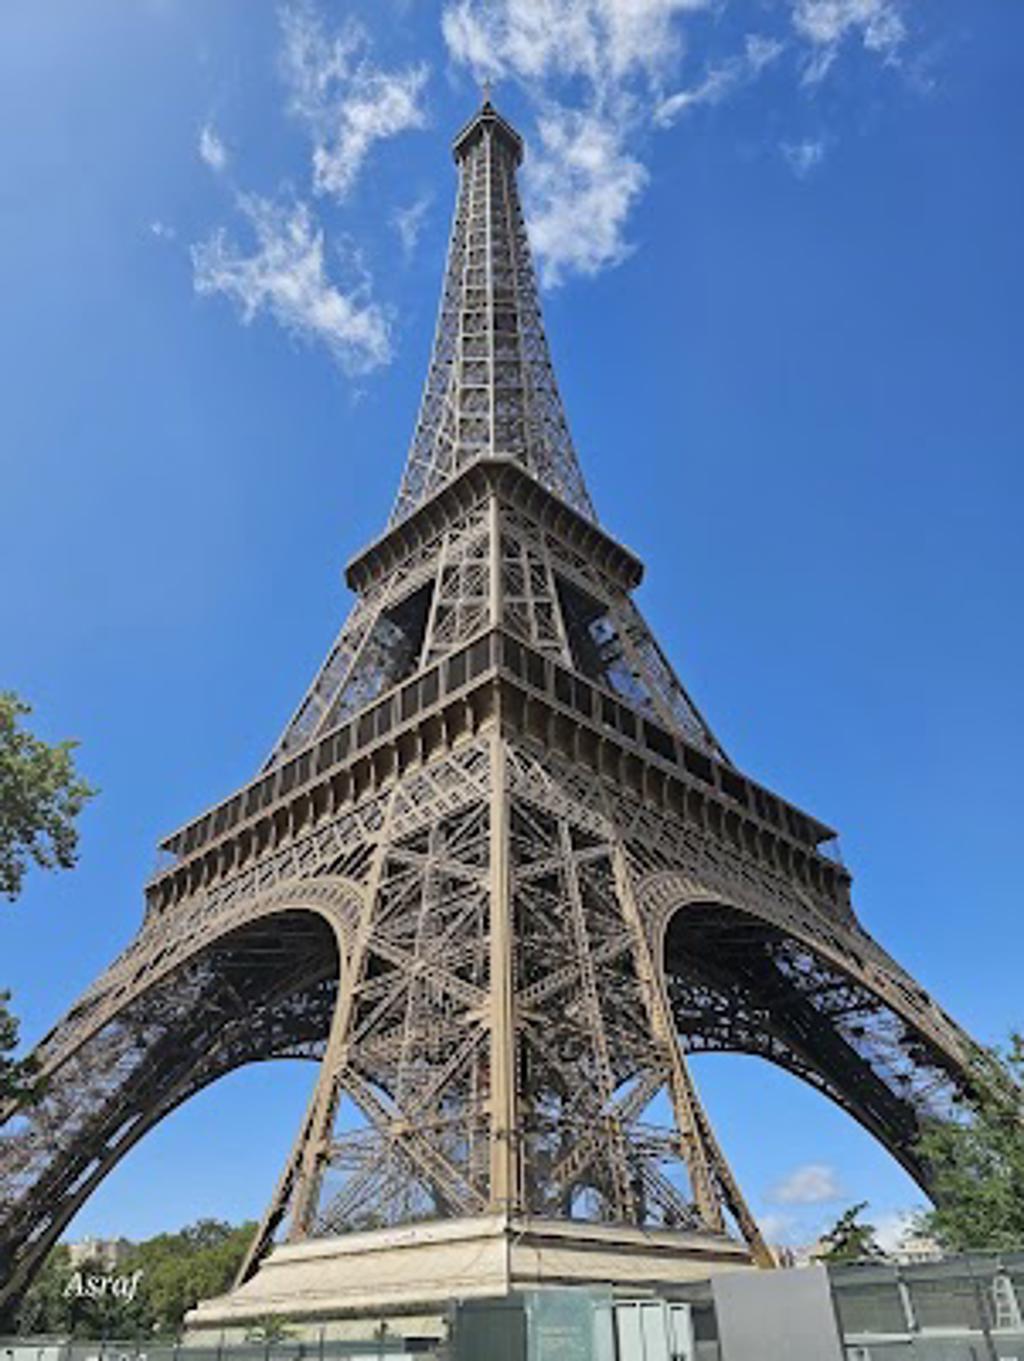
[491, 389]
[497, 879]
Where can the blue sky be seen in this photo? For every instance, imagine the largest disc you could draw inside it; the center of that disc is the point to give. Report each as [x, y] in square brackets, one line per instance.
[781, 249]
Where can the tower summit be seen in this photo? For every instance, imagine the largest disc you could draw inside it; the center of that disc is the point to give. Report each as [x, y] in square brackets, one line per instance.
[490, 389]
[497, 879]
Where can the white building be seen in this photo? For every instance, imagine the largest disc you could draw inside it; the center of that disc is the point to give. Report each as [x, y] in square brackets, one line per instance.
[107, 1253]
[915, 1247]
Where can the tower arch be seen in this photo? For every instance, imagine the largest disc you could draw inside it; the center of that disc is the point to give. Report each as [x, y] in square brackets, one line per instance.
[739, 981]
[243, 990]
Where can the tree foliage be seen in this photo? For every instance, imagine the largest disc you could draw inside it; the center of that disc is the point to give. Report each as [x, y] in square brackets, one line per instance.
[178, 1270]
[17, 1076]
[269, 1328]
[41, 796]
[850, 1240]
[977, 1159]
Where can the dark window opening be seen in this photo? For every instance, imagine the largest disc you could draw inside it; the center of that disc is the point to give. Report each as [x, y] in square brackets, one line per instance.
[659, 741]
[390, 654]
[512, 655]
[408, 622]
[589, 631]
[733, 785]
[698, 764]
[429, 688]
[596, 647]
[456, 671]
[535, 670]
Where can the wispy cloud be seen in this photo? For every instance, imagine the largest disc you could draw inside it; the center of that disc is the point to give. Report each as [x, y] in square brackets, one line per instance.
[583, 177]
[212, 150]
[408, 222]
[163, 231]
[825, 25]
[776, 1227]
[602, 40]
[721, 80]
[600, 74]
[803, 157]
[286, 276]
[581, 184]
[347, 103]
[809, 1184]
[893, 1226]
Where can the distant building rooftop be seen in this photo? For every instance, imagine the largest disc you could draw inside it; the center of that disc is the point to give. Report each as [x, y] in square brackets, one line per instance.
[108, 1253]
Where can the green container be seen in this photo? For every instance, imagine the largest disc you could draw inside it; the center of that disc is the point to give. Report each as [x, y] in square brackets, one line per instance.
[536, 1325]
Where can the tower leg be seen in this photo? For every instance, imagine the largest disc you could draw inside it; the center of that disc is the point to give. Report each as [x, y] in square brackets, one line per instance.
[503, 1133]
[711, 1178]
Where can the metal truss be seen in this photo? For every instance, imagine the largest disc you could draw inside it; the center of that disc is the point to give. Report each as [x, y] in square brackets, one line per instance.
[628, 941]
[485, 569]
[497, 878]
[491, 389]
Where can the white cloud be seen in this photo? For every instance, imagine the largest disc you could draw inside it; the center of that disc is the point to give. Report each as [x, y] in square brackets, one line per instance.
[212, 150]
[582, 175]
[776, 1228]
[163, 231]
[810, 1184]
[603, 40]
[581, 183]
[600, 73]
[408, 222]
[286, 276]
[802, 157]
[824, 24]
[893, 1227]
[723, 79]
[347, 103]
[595, 71]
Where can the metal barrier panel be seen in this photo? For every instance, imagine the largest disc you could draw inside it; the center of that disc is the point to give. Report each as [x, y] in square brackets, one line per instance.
[490, 1330]
[868, 1299]
[680, 1332]
[949, 1295]
[642, 1330]
[776, 1314]
[950, 1349]
[85, 1349]
[561, 1325]
[571, 1324]
[17, 1350]
[881, 1351]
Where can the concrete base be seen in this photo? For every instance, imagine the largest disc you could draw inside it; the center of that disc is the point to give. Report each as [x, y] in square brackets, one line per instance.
[409, 1276]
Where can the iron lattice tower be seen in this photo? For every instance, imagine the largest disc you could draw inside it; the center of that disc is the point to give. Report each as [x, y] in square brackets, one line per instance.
[497, 877]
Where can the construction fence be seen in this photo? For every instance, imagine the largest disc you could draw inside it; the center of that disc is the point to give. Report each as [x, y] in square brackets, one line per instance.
[964, 1308]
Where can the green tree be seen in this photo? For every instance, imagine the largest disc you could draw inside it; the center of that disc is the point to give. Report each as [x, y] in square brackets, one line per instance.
[41, 796]
[977, 1159]
[269, 1328]
[44, 1308]
[178, 1270]
[17, 1076]
[850, 1240]
[54, 1305]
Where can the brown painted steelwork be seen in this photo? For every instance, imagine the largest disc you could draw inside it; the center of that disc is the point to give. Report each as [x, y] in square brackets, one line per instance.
[498, 877]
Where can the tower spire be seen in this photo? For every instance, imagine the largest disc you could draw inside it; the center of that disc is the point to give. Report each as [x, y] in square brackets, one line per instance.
[490, 389]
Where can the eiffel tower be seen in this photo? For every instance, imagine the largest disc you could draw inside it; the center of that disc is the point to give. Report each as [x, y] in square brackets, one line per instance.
[498, 878]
